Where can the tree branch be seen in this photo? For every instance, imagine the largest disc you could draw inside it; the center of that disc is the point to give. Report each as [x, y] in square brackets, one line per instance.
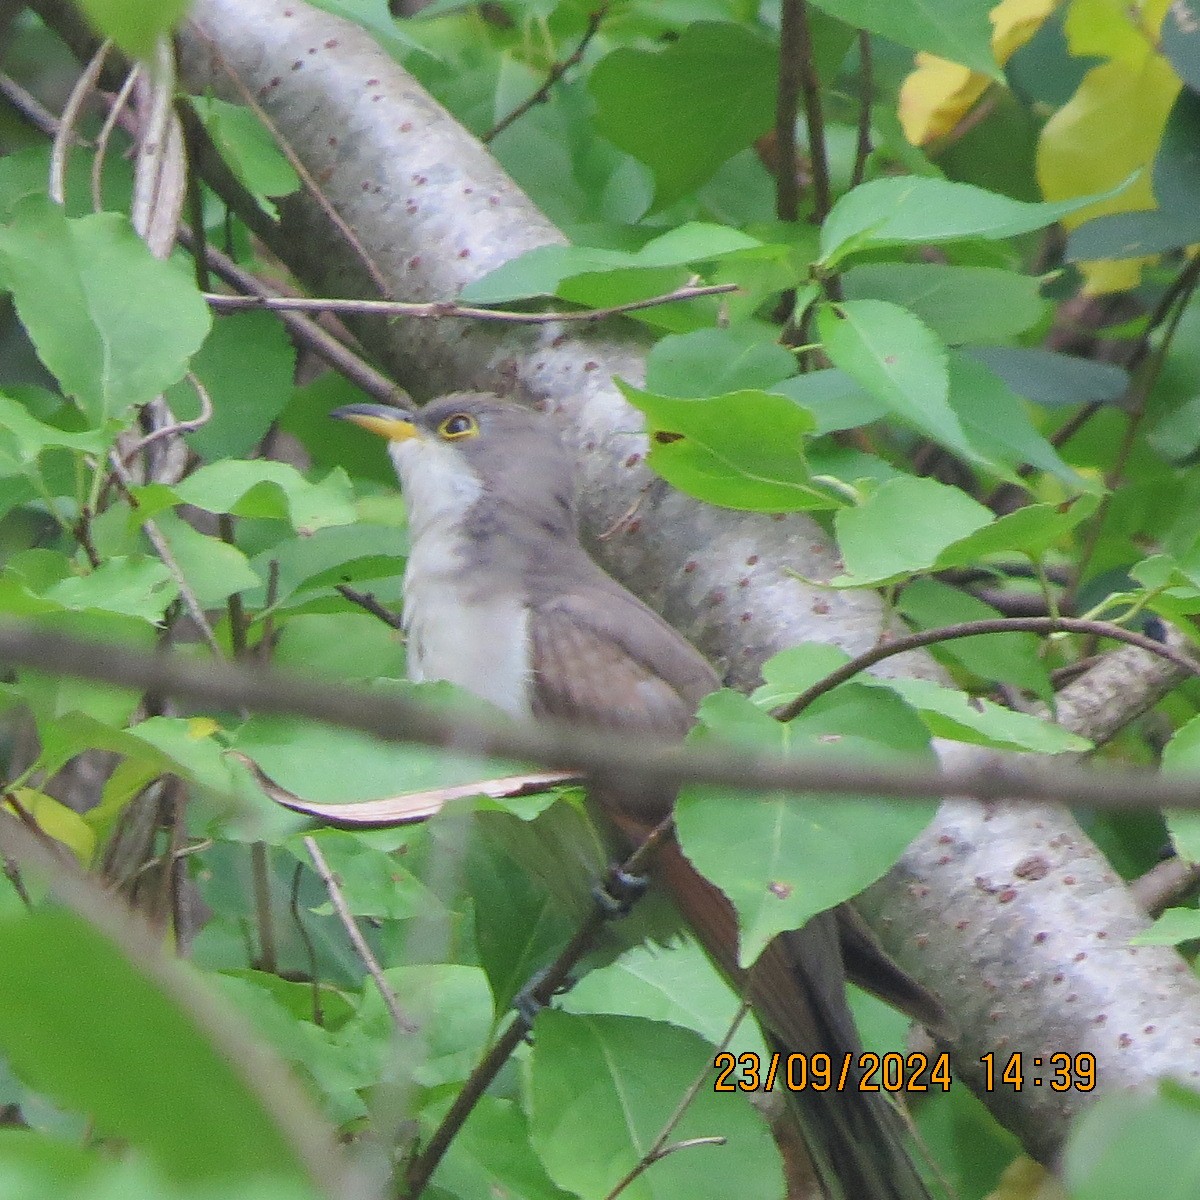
[652, 763]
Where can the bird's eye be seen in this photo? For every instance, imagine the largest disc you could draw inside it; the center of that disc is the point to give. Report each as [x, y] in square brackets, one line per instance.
[459, 425]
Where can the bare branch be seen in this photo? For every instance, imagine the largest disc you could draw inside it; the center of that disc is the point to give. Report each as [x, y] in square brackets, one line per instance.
[949, 633]
[334, 889]
[556, 72]
[655, 764]
[440, 309]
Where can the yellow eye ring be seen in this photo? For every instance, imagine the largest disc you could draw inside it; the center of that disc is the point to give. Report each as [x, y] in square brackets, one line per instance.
[458, 425]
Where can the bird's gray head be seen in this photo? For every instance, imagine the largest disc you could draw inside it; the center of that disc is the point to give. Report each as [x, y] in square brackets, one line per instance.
[470, 458]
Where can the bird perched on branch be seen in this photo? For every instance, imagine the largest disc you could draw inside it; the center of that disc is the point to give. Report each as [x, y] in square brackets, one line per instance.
[501, 598]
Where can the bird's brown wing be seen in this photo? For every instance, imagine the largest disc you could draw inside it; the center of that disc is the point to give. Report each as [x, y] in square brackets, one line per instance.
[602, 658]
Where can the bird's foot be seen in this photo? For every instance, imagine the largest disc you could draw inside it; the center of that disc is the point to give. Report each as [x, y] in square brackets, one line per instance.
[528, 1003]
[619, 892]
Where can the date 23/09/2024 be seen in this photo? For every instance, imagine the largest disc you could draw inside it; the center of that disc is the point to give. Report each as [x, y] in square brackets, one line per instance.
[914, 1072]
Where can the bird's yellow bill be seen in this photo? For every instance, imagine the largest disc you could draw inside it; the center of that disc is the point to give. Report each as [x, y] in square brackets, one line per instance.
[377, 419]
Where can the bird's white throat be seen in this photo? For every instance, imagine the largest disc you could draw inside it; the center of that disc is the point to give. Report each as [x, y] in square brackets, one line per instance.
[457, 631]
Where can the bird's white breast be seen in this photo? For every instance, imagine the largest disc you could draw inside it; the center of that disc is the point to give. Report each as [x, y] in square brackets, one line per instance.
[457, 630]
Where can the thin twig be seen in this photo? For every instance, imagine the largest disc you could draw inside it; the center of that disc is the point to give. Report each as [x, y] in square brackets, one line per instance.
[106, 131]
[310, 950]
[787, 110]
[814, 115]
[304, 329]
[439, 309]
[368, 603]
[31, 109]
[948, 633]
[65, 135]
[333, 888]
[238, 621]
[260, 872]
[556, 72]
[13, 874]
[177, 426]
[162, 548]
[655, 763]
[866, 84]
[1167, 884]
[423, 1164]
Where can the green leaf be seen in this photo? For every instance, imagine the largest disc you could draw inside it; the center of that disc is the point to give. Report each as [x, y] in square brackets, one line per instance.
[712, 91]
[449, 1004]
[538, 272]
[343, 645]
[896, 358]
[1181, 44]
[373, 884]
[214, 570]
[330, 765]
[365, 551]
[1013, 658]
[23, 437]
[246, 365]
[781, 858]
[624, 286]
[679, 985]
[741, 450]
[111, 322]
[269, 489]
[835, 400]
[492, 1156]
[902, 528]
[604, 276]
[794, 670]
[312, 1050]
[52, 696]
[1174, 223]
[953, 714]
[713, 361]
[1032, 531]
[137, 587]
[1129, 1144]
[960, 304]
[135, 25]
[86, 1025]
[589, 1137]
[909, 209]
[1176, 925]
[32, 1154]
[996, 421]
[519, 924]
[1053, 380]
[248, 148]
[960, 32]
[1182, 753]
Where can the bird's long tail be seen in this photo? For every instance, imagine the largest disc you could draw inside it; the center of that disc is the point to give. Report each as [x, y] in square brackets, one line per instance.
[857, 1139]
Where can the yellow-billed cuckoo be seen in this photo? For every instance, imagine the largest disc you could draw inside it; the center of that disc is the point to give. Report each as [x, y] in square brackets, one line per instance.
[501, 599]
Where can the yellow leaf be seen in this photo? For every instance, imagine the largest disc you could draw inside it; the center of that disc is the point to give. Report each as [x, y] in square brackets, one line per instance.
[1114, 28]
[1014, 22]
[199, 728]
[1023, 1179]
[1110, 128]
[59, 822]
[936, 96]
[937, 93]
